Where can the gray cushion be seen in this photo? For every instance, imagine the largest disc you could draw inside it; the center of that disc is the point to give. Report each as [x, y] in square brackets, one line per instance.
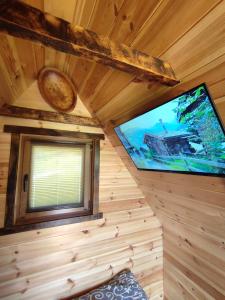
[123, 286]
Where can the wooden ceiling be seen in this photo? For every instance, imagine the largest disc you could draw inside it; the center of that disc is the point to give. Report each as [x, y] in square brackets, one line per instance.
[188, 34]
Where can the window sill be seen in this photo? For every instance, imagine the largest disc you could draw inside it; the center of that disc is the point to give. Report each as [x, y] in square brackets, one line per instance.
[42, 225]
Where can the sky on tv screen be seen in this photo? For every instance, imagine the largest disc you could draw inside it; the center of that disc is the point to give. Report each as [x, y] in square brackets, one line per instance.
[183, 135]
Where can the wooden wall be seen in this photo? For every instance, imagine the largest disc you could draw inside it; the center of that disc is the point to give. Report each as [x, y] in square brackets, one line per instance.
[192, 211]
[191, 208]
[55, 262]
[189, 34]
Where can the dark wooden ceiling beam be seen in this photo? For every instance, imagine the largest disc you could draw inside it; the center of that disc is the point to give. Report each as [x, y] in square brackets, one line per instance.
[42, 115]
[24, 21]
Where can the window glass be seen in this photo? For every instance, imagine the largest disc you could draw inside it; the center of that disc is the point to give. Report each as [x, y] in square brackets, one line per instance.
[56, 175]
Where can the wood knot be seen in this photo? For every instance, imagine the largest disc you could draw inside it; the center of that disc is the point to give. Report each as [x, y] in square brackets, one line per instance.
[115, 10]
[131, 261]
[140, 203]
[117, 234]
[131, 26]
[18, 274]
[188, 242]
[124, 17]
[72, 282]
[73, 259]
[131, 247]
[151, 247]
[85, 231]
[23, 291]
[69, 280]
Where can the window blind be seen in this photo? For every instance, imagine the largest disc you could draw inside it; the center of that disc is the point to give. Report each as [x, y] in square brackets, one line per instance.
[56, 175]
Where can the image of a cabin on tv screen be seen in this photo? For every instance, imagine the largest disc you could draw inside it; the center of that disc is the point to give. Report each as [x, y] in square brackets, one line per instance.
[182, 135]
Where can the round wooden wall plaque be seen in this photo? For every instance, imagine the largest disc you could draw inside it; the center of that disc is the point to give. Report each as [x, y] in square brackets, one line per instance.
[57, 89]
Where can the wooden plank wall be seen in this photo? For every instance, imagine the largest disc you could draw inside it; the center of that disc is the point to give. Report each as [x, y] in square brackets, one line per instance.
[190, 35]
[59, 261]
[191, 208]
[192, 211]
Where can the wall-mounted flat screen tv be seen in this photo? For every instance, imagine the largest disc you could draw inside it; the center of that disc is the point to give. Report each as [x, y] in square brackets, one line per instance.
[183, 135]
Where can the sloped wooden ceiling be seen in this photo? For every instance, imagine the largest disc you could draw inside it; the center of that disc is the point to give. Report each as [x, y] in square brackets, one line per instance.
[190, 36]
[173, 30]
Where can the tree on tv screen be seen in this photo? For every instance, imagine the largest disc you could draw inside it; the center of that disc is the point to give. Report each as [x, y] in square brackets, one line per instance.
[195, 111]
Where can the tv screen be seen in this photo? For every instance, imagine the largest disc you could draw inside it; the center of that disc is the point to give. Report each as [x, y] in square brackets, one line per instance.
[183, 135]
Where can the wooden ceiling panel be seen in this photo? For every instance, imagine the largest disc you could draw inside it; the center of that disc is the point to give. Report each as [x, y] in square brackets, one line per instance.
[130, 19]
[104, 12]
[160, 31]
[211, 74]
[93, 82]
[201, 45]
[101, 21]
[11, 67]
[189, 34]
[29, 66]
[169, 23]
[54, 58]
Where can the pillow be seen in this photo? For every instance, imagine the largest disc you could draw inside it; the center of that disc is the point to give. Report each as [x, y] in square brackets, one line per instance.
[123, 286]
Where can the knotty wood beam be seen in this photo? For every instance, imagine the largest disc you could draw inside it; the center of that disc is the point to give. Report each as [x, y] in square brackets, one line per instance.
[36, 114]
[53, 132]
[24, 21]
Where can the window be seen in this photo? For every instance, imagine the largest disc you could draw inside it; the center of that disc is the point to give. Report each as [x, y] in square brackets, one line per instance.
[53, 178]
[56, 176]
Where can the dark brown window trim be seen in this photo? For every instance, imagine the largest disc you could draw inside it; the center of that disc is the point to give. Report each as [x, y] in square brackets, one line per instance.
[12, 179]
[16, 132]
[54, 223]
[53, 132]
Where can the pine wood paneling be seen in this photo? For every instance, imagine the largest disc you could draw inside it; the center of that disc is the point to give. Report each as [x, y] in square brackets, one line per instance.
[192, 210]
[56, 262]
[190, 34]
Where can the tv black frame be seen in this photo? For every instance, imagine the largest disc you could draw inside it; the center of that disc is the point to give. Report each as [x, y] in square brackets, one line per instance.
[171, 171]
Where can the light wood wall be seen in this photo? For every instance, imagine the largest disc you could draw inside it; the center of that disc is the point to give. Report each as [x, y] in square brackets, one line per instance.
[191, 37]
[55, 262]
[192, 211]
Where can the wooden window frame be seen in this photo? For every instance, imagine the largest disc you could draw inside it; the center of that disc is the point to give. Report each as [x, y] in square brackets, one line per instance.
[17, 217]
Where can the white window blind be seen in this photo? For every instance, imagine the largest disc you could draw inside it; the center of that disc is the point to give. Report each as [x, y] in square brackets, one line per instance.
[56, 175]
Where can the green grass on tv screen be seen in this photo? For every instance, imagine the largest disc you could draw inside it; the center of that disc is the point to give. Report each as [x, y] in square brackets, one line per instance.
[182, 135]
